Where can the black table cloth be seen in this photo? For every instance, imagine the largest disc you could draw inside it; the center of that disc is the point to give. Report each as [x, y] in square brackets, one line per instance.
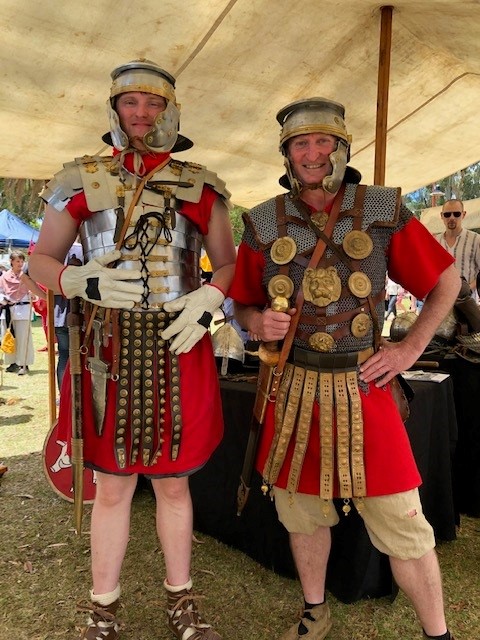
[465, 376]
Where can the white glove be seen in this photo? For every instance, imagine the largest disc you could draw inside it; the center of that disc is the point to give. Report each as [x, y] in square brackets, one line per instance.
[197, 310]
[100, 285]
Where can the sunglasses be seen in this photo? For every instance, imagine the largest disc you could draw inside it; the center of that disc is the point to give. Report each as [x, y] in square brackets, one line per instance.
[447, 214]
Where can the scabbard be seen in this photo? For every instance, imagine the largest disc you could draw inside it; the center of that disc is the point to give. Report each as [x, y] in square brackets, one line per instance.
[76, 385]
[264, 382]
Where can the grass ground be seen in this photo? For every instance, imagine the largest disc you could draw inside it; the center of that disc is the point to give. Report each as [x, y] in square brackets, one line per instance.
[44, 566]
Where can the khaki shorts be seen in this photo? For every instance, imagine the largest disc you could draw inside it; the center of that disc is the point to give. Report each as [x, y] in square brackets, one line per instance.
[395, 523]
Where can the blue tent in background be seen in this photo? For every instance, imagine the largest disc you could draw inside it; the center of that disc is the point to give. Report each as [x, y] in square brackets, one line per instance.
[14, 232]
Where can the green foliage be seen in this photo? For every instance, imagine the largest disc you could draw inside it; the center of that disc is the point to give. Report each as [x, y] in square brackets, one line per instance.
[463, 185]
[237, 222]
[20, 196]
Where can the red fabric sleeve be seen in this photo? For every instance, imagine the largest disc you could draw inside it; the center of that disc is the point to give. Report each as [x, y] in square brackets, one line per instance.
[77, 207]
[416, 260]
[247, 287]
[199, 213]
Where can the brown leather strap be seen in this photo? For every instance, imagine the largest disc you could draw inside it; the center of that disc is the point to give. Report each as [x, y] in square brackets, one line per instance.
[281, 226]
[345, 316]
[115, 317]
[314, 260]
[281, 215]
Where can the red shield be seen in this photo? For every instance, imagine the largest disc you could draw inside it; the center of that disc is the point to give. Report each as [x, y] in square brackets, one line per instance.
[58, 468]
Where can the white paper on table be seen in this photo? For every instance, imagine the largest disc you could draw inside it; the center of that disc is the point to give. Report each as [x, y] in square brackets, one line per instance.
[425, 376]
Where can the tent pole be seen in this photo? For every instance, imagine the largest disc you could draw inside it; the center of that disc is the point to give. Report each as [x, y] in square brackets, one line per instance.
[382, 94]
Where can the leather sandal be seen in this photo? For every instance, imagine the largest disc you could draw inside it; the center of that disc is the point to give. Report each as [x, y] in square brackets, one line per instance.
[184, 619]
[102, 623]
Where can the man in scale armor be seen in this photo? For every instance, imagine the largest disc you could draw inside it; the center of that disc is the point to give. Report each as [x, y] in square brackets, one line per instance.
[143, 390]
[310, 272]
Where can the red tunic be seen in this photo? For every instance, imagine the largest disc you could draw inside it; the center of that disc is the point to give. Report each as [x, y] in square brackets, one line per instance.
[200, 400]
[415, 260]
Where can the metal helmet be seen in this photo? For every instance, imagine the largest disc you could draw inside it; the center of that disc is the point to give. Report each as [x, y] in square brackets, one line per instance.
[448, 327]
[316, 115]
[227, 344]
[145, 76]
[404, 321]
[401, 325]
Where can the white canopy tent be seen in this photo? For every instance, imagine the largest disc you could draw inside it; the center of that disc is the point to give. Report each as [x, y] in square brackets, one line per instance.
[237, 62]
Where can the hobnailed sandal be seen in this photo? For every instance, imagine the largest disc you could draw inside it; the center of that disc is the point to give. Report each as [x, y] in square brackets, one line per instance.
[184, 619]
[102, 623]
[317, 622]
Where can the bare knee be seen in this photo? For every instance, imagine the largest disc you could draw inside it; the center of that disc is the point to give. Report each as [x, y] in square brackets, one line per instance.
[112, 491]
[171, 490]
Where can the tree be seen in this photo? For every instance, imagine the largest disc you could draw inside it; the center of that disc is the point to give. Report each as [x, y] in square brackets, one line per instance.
[20, 196]
[237, 222]
[463, 185]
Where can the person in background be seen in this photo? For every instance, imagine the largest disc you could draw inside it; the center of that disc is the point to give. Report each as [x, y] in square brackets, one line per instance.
[15, 288]
[159, 411]
[462, 244]
[326, 246]
[391, 290]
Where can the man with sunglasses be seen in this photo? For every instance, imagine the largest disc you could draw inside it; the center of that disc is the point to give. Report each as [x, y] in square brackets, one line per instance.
[462, 244]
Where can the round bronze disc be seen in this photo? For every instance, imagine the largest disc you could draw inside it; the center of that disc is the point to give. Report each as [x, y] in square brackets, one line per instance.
[283, 250]
[280, 286]
[359, 284]
[357, 244]
[361, 325]
[321, 341]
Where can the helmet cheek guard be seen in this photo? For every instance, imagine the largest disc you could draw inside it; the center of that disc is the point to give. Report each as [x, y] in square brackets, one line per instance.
[338, 160]
[165, 130]
[119, 137]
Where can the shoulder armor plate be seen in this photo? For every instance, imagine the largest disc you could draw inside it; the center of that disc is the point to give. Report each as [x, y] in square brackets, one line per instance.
[63, 186]
[198, 176]
[92, 175]
[99, 185]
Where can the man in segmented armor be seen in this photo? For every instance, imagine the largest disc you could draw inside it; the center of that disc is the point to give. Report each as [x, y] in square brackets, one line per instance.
[311, 272]
[145, 393]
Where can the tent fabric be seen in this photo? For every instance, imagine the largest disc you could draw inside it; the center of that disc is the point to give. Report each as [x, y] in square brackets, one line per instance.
[14, 232]
[237, 62]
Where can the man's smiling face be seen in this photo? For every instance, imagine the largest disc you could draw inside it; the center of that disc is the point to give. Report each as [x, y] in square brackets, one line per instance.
[309, 156]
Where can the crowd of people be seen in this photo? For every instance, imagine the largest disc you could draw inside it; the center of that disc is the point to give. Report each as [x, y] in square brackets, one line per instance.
[314, 279]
